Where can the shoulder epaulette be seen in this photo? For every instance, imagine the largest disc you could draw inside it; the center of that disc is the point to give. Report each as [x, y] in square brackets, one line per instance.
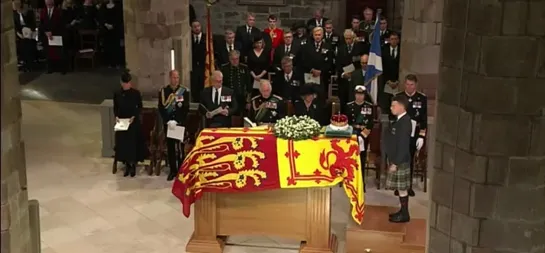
[421, 93]
[367, 102]
[225, 64]
[349, 103]
[243, 65]
[254, 98]
[278, 97]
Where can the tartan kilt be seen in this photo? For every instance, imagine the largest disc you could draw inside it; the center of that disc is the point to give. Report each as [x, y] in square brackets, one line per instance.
[399, 179]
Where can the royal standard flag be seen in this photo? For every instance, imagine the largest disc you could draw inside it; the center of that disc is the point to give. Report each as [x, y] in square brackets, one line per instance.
[248, 160]
[209, 67]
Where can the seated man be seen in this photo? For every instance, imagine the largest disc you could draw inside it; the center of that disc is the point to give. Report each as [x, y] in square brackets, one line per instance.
[361, 117]
[266, 108]
[309, 105]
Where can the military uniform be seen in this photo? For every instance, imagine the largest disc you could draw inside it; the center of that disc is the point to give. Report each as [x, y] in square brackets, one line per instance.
[174, 105]
[418, 111]
[362, 118]
[238, 79]
[267, 110]
[366, 29]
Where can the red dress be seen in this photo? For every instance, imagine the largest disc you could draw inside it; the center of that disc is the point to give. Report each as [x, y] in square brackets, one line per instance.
[277, 37]
[53, 24]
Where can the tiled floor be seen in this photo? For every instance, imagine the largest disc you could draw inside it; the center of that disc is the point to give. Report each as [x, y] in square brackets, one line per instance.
[86, 209]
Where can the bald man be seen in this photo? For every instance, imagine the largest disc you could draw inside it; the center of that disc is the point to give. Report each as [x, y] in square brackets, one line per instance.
[173, 108]
[218, 103]
[267, 108]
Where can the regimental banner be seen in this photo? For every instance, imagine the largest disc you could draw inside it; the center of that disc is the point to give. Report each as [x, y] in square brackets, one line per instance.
[249, 160]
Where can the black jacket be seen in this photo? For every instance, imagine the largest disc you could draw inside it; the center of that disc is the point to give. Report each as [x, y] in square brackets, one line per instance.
[398, 139]
[227, 100]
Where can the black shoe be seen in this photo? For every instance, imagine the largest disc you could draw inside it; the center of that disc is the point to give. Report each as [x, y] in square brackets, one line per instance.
[411, 193]
[400, 218]
[394, 214]
[133, 170]
[127, 171]
[171, 176]
[396, 192]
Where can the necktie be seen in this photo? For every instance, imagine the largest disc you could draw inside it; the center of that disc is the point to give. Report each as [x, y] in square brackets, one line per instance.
[349, 48]
[249, 30]
[287, 49]
[393, 53]
[49, 11]
[287, 77]
[217, 97]
[230, 48]
[196, 39]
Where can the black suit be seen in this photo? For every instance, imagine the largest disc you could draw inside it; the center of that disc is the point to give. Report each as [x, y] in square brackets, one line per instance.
[227, 100]
[333, 39]
[198, 62]
[344, 58]
[26, 47]
[246, 39]
[221, 51]
[384, 34]
[280, 52]
[311, 23]
[320, 58]
[288, 89]
[390, 72]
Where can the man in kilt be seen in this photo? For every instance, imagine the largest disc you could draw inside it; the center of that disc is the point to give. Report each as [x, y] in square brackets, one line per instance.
[398, 153]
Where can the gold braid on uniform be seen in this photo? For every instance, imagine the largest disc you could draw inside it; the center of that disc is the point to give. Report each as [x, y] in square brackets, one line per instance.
[170, 98]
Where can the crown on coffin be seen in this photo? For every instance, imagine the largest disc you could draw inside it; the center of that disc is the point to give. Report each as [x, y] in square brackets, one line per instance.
[339, 120]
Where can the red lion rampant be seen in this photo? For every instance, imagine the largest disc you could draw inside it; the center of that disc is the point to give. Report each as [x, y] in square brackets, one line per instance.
[343, 160]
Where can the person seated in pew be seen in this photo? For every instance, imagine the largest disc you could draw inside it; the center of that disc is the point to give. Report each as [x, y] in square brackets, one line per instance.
[309, 105]
[130, 146]
[267, 108]
[361, 116]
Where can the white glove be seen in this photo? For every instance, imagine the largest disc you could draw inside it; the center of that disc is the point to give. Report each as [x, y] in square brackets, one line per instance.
[172, 124]
[361, 143]
[419, 143]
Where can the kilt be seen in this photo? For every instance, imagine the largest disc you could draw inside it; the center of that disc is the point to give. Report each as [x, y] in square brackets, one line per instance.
[399, 179]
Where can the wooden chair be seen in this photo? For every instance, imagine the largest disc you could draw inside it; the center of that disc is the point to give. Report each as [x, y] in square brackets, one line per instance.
[333, 86]
[290, 109]
[421, 166]
[157, 144]
[374, 156]
[88, 40]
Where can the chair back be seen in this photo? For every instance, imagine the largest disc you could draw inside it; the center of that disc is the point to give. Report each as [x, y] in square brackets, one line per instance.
[88, 40]
[333, 86]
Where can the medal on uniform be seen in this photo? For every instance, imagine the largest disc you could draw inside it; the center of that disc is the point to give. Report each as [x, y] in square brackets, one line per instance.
[410, 100]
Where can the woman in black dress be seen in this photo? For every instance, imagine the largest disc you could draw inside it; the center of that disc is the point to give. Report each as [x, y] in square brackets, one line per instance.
[70, 21]
[130, 146]
[258, 62]
[309, 105]
[112, 26]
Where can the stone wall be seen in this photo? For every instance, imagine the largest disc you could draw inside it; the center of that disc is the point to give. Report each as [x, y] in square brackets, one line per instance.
[14, 201]
[228, 14]
[420, 42]
[152, 29]
[488, 181]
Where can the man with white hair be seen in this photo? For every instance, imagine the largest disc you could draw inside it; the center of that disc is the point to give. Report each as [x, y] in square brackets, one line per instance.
[361, 116]
[218, 103]
[267, 108]
[348, 53]
[317, 60]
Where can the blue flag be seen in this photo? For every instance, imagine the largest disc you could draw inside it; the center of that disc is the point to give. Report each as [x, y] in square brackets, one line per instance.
[374, 65]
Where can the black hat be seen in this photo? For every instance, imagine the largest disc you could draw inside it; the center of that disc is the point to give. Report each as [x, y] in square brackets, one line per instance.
[307, 89]
[258, 38]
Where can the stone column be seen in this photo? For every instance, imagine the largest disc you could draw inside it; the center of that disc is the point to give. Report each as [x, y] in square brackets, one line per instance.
[14, 201]
[152, 29]
[489, 171]
[420, 42]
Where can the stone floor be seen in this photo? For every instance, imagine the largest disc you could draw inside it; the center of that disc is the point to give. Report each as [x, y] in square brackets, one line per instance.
[86, 209]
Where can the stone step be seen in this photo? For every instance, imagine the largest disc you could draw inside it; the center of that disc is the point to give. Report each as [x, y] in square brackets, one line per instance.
[378, 235]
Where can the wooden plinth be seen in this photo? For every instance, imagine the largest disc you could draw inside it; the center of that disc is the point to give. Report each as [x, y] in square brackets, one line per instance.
[299, 214]
[378, 235]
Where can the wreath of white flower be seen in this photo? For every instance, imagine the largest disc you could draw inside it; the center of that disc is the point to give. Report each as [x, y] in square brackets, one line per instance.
[296, 128]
